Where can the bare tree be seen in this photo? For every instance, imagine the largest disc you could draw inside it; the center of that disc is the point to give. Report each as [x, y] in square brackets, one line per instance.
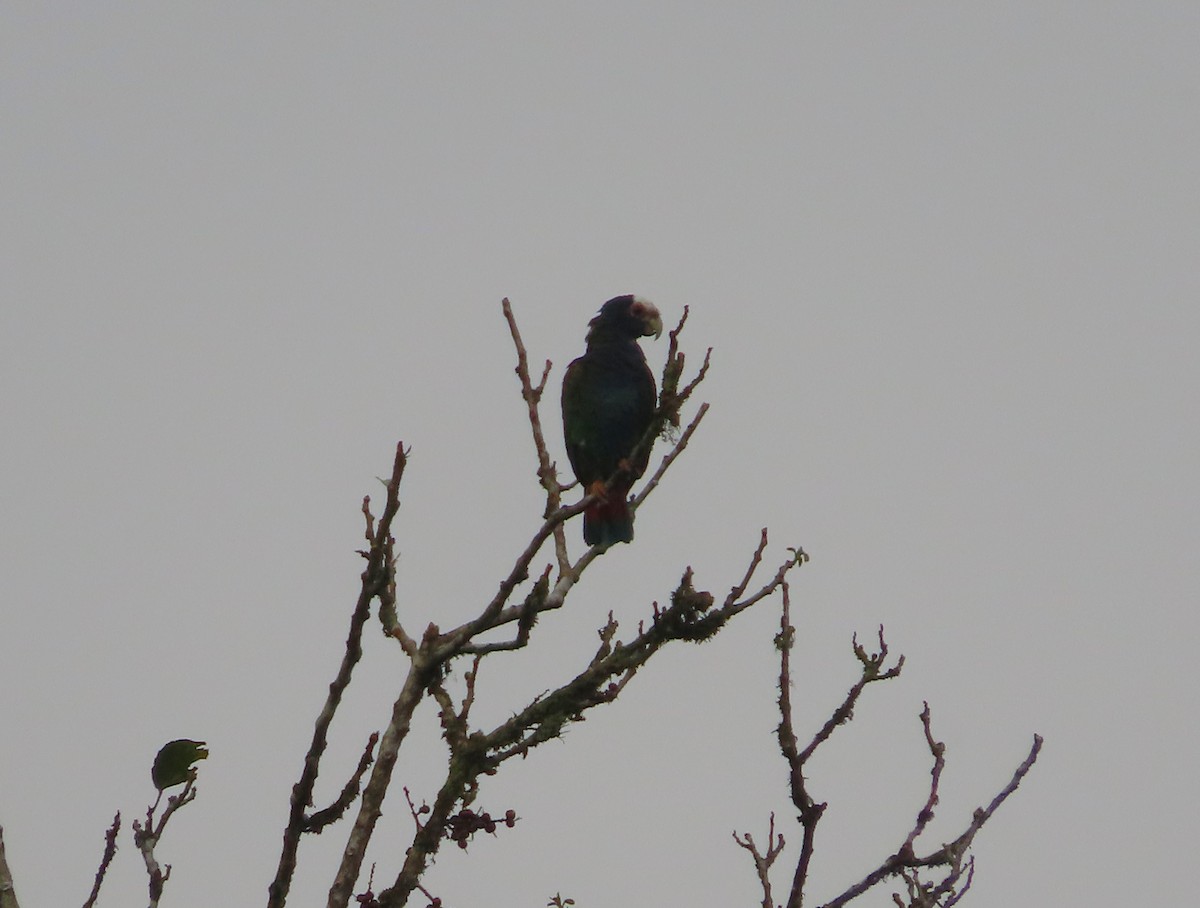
[502, 627]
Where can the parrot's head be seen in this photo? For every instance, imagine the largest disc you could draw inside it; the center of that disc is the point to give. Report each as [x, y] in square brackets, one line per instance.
[630, 316]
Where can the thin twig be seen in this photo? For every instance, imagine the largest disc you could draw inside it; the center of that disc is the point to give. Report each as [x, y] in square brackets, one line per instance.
[925, 814]
[110, 850]
[335, 811]
[547, 473]
[763, 862]
[755, 561]
[872, 670]
[676, 449]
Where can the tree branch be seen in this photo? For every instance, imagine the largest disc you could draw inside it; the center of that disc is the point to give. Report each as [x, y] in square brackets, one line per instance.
[944, 892]
[335, 811]
[378, 579]
[547, 471]
[371, 803]
[763, 862]
[110, 849]
[690, 616]
[147, 836]
[950, 856]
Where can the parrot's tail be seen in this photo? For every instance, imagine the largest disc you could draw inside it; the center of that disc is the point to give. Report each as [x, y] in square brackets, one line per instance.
[606, 522]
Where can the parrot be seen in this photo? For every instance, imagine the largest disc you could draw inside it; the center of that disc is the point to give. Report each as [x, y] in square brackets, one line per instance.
[173, 762]
[608, 399]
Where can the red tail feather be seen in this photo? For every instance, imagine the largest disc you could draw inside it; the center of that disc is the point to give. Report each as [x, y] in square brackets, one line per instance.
[610, 520]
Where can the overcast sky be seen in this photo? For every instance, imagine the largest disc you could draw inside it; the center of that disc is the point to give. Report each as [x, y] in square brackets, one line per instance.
[945, 254]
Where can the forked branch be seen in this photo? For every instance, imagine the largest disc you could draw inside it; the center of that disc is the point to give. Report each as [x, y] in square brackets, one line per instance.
[952, 859]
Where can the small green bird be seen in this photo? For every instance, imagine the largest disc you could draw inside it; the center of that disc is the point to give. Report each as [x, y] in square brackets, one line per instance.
[173, 763]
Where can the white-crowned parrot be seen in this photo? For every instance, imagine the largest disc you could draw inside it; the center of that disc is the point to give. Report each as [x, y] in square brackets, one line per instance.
[608, 399]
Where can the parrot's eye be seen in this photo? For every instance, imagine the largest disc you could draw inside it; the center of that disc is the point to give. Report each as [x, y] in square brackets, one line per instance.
[643, 308]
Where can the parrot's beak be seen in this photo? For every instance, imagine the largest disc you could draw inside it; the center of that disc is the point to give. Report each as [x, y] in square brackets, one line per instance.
[648, 313]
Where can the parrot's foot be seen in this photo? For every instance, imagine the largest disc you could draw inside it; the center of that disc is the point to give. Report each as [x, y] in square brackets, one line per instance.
[598, 489]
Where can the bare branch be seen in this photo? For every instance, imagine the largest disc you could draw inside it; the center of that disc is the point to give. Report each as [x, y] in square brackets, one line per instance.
[700, 376]
[335, 811]
[371, 803]
[677, 449]
[950, 856]
[925, 814]
[110, 850]
[810, 811]
[690, 616]
[378, 580]
[872, 670]
[416, 815]
[147, 836]
[755, 561]
[763, 862]
[797, 558]
[547, 472]
[944, 892]
[494, 614]
[525, 615]
[983, 814]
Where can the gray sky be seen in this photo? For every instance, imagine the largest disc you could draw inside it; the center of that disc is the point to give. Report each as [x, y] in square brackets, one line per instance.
[945, 254]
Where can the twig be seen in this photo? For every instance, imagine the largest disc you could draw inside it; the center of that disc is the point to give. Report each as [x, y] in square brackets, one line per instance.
[763, 862]
[755, 561]
[110, 849]
[957, 896]
[335, 811]
[676, 449]
[416, 815]
[525, 615]
[547, 474]
[872, 670]
[433, 899]
[494, 613]
[925, 814]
